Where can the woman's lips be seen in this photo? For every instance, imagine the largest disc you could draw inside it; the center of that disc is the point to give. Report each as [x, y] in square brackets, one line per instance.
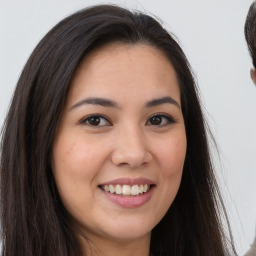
[128, 193]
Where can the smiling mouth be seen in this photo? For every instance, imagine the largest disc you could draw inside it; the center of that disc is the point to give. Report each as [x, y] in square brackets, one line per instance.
[127, 190]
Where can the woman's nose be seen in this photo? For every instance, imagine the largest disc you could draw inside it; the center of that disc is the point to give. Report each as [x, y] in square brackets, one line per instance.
[131, 149]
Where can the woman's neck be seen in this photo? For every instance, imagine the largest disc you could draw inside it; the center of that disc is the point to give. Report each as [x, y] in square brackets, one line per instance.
[109, 247]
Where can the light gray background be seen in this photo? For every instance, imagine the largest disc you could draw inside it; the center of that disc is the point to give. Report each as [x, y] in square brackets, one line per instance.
[211, 34]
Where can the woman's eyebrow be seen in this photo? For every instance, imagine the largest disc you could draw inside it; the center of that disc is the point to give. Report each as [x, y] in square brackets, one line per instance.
[163, 100]
[96, 101]
[109, 103]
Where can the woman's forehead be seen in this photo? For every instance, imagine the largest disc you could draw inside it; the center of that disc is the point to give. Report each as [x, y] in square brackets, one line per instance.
[123, 70]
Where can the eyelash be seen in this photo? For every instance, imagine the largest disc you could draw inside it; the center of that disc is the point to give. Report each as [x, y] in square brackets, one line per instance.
[85, 120]
[169, 120]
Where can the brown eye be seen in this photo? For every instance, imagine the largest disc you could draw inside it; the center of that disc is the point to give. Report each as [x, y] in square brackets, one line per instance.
[156, 120]
[160, 120]
[95, 120]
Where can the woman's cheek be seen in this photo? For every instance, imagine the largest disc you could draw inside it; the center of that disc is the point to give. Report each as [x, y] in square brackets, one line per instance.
[172, 156]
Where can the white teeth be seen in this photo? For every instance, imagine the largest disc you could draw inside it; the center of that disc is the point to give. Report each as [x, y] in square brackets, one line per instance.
[112, 189]
[145, 188]
[126, 190]
[135, 190]
[118, 190]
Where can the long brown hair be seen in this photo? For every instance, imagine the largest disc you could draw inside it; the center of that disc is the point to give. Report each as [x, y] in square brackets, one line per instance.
[33, 219]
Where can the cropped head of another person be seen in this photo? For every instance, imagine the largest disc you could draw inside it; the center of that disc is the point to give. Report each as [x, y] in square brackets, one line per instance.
[250, 36]
[105, 148]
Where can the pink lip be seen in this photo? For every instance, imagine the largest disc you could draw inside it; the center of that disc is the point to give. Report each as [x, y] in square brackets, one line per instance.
[129, 181]
[129, 201]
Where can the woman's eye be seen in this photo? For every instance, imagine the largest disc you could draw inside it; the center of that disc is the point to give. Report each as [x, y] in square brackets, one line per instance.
[160, 120]
[96, 120]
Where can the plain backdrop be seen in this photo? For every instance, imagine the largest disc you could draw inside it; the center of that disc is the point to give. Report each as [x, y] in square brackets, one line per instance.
[211, 34]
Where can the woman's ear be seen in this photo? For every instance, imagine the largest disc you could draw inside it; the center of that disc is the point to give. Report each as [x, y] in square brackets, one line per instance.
[253, 75]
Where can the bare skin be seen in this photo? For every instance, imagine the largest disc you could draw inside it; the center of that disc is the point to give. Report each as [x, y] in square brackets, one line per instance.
[253, 75]
[122, 128]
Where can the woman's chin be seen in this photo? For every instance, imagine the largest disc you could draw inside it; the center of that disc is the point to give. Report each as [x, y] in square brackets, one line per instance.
[126, 233]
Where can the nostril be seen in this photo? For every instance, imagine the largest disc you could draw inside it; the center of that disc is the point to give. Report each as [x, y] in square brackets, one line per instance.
[123, 164]
[131, 156]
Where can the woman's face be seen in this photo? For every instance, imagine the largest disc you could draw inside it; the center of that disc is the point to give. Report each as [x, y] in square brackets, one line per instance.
[120, 147]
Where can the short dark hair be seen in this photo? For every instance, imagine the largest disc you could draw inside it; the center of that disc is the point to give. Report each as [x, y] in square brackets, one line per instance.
[33, 219]
[250, 32]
